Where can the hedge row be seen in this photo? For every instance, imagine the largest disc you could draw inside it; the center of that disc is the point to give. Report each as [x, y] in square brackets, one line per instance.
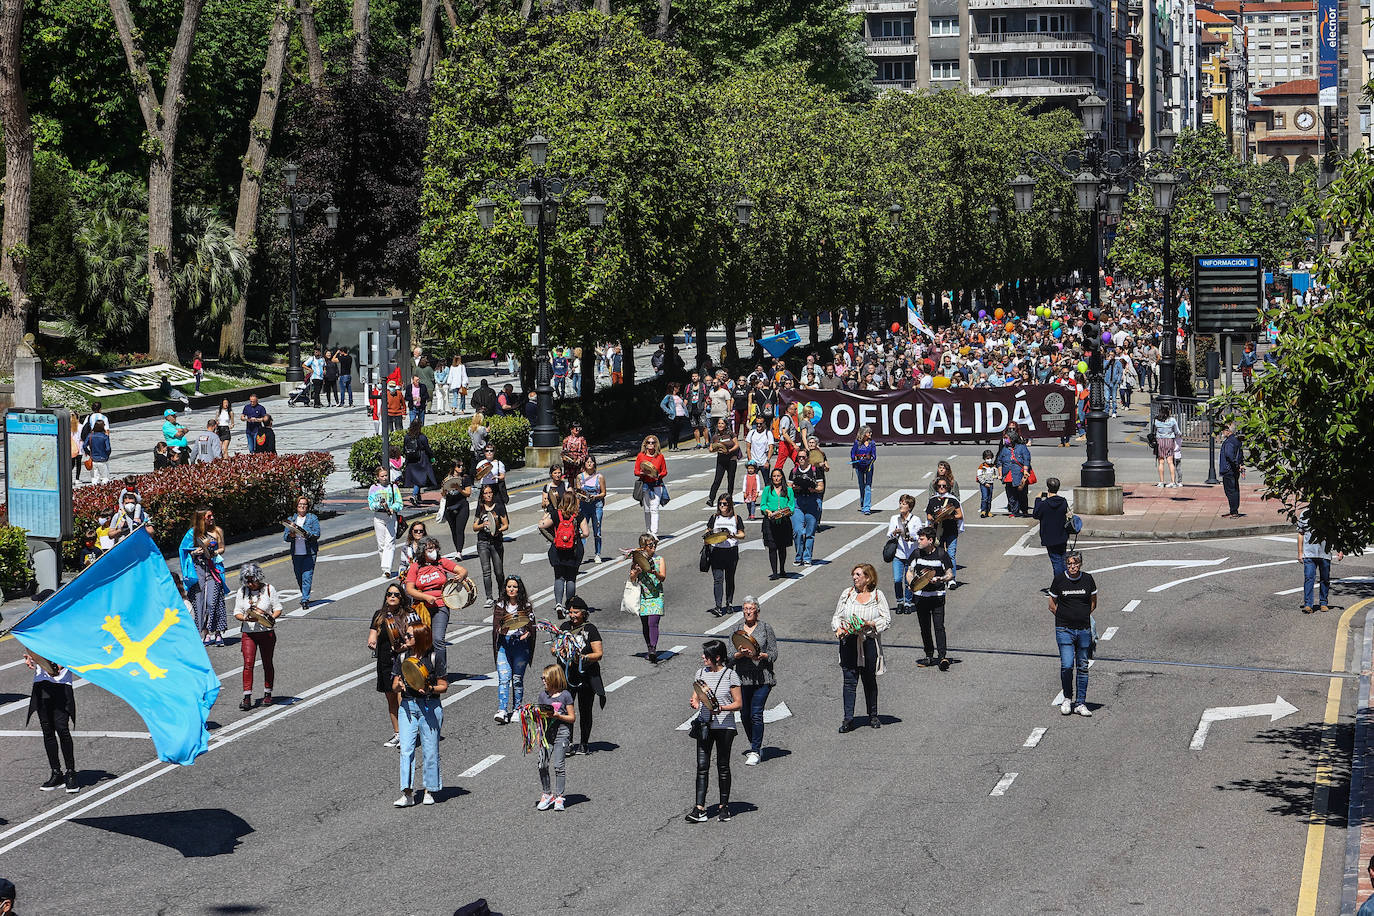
[16, 572]
[247, 492]
[447, 441]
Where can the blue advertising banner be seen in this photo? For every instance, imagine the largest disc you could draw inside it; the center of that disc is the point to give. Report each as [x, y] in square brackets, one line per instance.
[1328, 38]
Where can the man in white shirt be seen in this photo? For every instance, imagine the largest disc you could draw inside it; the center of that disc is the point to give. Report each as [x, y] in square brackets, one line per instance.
[760, 442]
[207, 447]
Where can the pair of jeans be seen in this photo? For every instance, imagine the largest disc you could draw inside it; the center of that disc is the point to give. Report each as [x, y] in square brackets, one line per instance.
[900, 593]
[1016, 502]
[251, 434]
[952, 548]
[804, 520]
[593, 512]
[1056, 554]
[554, 756]
[459, 401]
[1316, 569]
[720, 739]
[492, 555]
[1113, 392]
[303, 564]
[1230, 484]
[415, 414]
[931, 614]
[560, 385]
[985, 498]
[755, 698]
[1073, 654]
[852, 676]
[251, 644]
[1126, 398]
[865, 476]
[422, 718]
[512, 658]
[346, 389]
[577, 385]
[51, 706]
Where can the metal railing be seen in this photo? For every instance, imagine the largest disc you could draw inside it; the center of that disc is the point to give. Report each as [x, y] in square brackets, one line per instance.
[1193, 417]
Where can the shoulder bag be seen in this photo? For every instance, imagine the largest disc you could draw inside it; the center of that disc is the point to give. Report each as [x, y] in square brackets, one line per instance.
[629, 600]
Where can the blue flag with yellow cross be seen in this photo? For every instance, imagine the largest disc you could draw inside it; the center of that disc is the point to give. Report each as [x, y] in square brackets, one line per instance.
[122, 625]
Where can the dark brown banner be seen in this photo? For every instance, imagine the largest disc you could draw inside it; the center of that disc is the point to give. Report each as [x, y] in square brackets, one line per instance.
[938, 415]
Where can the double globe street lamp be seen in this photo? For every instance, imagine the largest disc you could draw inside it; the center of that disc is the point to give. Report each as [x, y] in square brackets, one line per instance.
[290, 217]
[540, 198]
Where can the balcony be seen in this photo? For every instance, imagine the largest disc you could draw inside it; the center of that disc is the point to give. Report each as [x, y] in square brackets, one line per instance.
[895, 85]
[1033, 86]
[1004, 5]
[1027, 42]
[884, 6]
[891, 46]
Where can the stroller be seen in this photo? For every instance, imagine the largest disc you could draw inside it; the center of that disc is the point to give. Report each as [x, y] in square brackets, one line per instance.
[301, 396]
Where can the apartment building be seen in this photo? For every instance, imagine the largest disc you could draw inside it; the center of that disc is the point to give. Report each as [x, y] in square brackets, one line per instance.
[1280, 39]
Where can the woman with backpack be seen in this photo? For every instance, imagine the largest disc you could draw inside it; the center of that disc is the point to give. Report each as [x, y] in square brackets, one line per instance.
[569, 527]
[419, 469]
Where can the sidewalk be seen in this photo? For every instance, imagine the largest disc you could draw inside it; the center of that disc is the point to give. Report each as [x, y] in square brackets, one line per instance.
[1191, 511]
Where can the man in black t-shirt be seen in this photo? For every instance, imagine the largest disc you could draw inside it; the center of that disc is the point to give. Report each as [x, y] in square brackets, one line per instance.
[930, 598]
[584, 675]
[345, 374]
[1073, 598]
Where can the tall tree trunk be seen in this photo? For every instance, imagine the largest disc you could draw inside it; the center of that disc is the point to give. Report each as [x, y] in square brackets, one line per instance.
[18, 133]
[627, 362]
[424, 48]
[665, 12]
[250, 184]
[310, 38]
[814, 326]
[835, 335]
[703, 354]
[526, 9]
[362, 35]
[731, 345]
[160, 117]
[479, 8]
[603, 6]
[756, 332]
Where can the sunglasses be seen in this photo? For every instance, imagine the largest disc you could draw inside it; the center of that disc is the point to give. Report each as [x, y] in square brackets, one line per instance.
[393, 594]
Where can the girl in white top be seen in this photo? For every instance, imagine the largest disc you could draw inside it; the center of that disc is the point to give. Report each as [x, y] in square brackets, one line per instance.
[458, 384]
[903, 527]
[724, 557]
[256, 595]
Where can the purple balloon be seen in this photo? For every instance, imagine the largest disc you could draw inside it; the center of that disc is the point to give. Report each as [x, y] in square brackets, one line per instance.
[1106, 338]
[982, 313]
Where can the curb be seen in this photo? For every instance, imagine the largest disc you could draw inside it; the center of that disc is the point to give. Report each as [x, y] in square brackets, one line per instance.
[155, 408]
[1196, 534]
[1359, 752]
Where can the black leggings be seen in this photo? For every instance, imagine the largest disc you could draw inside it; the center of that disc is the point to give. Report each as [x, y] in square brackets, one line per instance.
[725, 470]
[56, 725]
[721, 738]
[585, 695]
[675, 431]
[777, 543]
[724, 561]
[458, 527]
[931, 611]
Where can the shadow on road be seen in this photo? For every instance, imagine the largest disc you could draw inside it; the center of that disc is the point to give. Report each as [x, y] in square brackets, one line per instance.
[195, 834]
[1290, 787]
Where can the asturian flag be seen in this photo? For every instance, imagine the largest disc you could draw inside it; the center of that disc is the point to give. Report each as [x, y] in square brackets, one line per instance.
[122, 625]
[913, 318]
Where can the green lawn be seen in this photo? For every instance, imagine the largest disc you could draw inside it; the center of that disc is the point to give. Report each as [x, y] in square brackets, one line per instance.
[55, 393]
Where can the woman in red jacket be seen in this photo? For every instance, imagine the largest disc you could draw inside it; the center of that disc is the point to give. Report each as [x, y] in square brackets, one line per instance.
[652, 470]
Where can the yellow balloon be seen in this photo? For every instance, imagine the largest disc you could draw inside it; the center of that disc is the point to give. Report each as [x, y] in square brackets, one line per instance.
[939, 382]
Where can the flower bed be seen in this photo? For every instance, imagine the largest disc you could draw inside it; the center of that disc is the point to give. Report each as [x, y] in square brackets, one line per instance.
[447, 441]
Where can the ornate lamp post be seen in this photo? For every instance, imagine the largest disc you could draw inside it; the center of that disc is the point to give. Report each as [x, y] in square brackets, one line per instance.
[291, 216]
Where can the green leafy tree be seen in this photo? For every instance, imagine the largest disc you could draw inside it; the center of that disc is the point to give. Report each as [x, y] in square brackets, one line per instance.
[1308, 422]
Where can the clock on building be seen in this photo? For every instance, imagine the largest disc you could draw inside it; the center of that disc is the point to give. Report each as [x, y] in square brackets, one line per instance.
[1305, 120]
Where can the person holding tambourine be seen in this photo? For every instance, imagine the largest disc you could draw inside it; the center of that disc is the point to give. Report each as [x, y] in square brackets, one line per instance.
[584, 675]
[490, 521]
[425, 581]
[420, 674]
[257, 608]
[860, 615]
[724, 531]
[756, 652]
[715, 696]
[777, 506]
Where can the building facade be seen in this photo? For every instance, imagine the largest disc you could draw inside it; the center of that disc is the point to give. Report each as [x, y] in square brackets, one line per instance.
[1286, 124]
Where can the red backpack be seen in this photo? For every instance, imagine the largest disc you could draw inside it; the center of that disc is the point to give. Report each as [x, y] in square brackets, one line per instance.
[565, 533]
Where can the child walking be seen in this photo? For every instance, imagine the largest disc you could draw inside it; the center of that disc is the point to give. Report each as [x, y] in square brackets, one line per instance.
[557, 735]
[987, 479]
[753, 488]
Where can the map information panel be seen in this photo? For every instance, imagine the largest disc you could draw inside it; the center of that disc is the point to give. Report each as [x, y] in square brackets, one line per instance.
[1229, 291]
[38, 472]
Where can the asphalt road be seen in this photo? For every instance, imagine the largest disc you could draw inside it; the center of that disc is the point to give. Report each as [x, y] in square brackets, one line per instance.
[975, 797]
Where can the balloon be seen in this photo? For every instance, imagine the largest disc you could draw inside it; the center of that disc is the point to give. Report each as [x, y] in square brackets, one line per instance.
[997, 314]
[1010, 327]
[963, 351]
[896, 327]
[1106, 337]
[939, 381]
[1082, 366]
[982, 313]
[1055, 325]
[1058, 333]
[1043, 311]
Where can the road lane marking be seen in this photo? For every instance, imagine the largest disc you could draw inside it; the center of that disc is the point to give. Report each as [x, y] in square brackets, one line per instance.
[618, 683]
[771, 715]
[726, 624]
[1035, 736]
[845, 498]
[824, 561]
[19, 733]
[1003, 785]
[1131, 605]
[1323, 779]
[1216, 572]
[1110, 632]
[481, 765]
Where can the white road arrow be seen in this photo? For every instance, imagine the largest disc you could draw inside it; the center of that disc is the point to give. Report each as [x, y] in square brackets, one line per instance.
[1275, 711]
[777, 713]
[1167, 564]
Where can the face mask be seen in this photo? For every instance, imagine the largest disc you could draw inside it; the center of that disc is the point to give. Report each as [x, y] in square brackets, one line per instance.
[129, 507]
[432, 554]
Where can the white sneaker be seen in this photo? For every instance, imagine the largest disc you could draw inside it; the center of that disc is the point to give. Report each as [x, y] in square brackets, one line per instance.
[1161, 485]
[596, 559]
[545, 802]
[1083, 711]
[500, 717]
[558, 803]
[394, 742]
[405, 801]
[429, 797]
[751, 759]
[1065, 708]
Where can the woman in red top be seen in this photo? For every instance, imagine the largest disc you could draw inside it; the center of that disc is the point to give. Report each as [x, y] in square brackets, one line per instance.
[425, 581]
[652, 470]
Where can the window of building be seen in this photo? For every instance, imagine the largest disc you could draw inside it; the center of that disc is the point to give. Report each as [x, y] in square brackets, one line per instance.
[944, 70]
[997, 25]
[1280, 58]
[944, 26]
[1262, 32]
[1307, 42]
[1265, 45]
[1307, 30]
[1262, 17]
[1278, 120]
[893, 27]
[999, 68]
[1307, 58]
[1048, 22]
[897, 71]
[1280, 17]
[1280, 32]
[1280, 46]
[1047, 66]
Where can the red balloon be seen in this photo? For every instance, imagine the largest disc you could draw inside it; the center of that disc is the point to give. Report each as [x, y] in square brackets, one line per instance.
[896, 327]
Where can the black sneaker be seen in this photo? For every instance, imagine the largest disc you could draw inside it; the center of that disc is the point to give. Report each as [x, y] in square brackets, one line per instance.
[55, 780]
[847, 726]
[572, 750]
[72, 786]
[944, 664]
[724, 814]
[874, 722]
[926, 662]
[696, 816]
[652, 655]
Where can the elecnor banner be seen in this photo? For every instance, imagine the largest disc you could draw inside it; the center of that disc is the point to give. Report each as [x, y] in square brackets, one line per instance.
[938, 415]
[1328, 39]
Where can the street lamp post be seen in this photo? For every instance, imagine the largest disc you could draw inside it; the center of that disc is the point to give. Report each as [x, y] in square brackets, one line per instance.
[290, 216]
[540, 198]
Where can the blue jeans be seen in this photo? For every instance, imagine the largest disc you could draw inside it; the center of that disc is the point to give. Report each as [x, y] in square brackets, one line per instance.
[415, 414]
[593, 512]
[1313, 569]
[577, 385]
[1112, 392]
[346, 388]
[985, 500]
[1056, 554]
[251, 434]
[804, 521]
[560, 385]
[423, 718]
[512, 658]
[900, 593]
[1073, 653]
[865, 489]
[952, 548]
[755, 699]
[304, 566]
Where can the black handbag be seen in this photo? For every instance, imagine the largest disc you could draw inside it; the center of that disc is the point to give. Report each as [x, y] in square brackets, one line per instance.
[890, 550]
[705, 562]
[638, 493]
[699, 729]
